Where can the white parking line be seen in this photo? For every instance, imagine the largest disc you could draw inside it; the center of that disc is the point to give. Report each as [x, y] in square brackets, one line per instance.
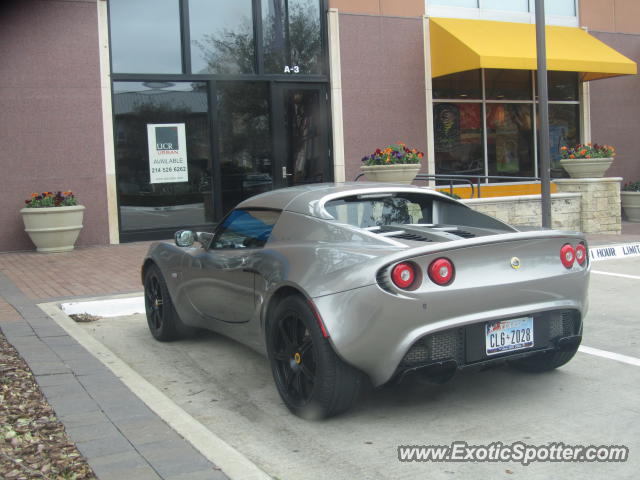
[610, 355]
[621, 275]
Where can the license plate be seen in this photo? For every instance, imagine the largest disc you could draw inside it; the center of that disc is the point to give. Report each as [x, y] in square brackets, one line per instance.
[509, 335]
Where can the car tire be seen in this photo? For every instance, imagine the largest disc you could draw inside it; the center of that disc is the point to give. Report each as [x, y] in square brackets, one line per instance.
[311, 379]
[544, 362]
[162, 318]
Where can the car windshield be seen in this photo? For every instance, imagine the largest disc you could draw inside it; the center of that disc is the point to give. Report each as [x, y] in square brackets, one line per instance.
[370, 210]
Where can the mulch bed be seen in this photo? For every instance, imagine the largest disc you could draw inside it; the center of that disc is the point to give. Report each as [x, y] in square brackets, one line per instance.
[33, 442]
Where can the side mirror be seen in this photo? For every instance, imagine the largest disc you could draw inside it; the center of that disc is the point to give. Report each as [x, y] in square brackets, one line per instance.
[185, 238]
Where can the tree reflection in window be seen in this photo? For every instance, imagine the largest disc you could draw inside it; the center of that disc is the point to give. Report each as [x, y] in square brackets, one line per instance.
[292, 36]
[221, 36]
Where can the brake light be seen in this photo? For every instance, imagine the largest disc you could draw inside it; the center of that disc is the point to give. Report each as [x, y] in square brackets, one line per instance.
[567, 255]
[581, 253]
[403, 275]
[441, 271]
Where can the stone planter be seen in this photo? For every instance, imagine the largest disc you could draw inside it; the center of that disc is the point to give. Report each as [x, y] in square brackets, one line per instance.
[398, 173]
[586, 167]
[631, 205]
[53, 229]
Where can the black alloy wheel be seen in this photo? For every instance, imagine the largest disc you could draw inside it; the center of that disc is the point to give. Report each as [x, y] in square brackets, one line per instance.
[311, 379]
[295, 358]
[162, 318]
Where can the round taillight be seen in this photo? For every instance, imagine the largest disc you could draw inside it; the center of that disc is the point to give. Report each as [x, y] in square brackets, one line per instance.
[403, 275]
[567, 255]
[581, 253]
[441, 271]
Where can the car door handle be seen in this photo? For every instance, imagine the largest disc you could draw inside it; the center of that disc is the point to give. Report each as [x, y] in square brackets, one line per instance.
[251, 270]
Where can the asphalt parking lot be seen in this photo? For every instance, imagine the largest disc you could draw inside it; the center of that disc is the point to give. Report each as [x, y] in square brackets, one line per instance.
[591, 401]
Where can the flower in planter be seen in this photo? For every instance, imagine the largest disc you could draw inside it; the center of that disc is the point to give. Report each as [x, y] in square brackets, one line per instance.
[395, 154]
[588, 150]
[50, 199]
[631, 187]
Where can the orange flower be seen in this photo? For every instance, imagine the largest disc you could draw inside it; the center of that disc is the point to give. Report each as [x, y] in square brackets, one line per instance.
[588, 156]
[34, 195]
[563, 148]
[420, 155]
[583, 151]
[572, 156]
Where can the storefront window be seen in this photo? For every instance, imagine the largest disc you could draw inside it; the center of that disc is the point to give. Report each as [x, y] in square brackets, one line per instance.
[221, 36]
[245, 141]
[508, 84]
[458, 138]
[292, 36]
[510, 140]
[563, 86]
[463, 85]
[162, 183]
[145, 36]
[563, 131]
[508, 105]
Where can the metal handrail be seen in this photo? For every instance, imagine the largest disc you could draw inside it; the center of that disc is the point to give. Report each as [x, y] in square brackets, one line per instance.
[464, 179]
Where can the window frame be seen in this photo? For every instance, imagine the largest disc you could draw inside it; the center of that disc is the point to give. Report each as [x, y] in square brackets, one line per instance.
[482, 13]
[484, 102]
[259, 71]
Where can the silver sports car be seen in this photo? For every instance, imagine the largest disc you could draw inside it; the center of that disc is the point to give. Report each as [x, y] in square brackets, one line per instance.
[339, 284]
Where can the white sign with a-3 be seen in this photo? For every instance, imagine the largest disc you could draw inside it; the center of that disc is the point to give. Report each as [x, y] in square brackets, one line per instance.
[167, 153]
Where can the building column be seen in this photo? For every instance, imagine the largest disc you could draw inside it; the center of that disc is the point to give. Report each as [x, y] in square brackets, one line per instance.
[335, 72]
[600, 202]
[107, 123]
[428, 94]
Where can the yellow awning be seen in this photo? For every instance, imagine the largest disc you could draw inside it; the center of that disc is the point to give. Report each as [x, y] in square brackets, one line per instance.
[458, 45]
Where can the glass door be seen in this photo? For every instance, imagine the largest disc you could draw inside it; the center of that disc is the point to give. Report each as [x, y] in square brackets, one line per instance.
[301, 134]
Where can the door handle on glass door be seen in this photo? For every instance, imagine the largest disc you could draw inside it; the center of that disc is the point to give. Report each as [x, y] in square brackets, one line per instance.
[284, 173]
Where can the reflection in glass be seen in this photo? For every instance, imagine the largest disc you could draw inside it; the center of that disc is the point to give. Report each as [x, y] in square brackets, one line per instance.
[563, 131]
[304, 121]
[458, 138]
[466, 85]
[563, 86]
[145, 36]
[221, 36]
[508, 84]
[145, 205]
[512, 5]
[292, 37]
[510, 140]
[245, 140]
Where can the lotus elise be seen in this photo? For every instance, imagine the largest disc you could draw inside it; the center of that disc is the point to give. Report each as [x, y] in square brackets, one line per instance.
[342, 284]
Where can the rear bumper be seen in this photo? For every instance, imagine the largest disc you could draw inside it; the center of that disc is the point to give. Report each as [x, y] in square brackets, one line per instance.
[462, 347]
[380, 333]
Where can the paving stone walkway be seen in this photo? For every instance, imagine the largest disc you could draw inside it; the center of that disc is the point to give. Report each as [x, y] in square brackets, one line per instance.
[118, 434]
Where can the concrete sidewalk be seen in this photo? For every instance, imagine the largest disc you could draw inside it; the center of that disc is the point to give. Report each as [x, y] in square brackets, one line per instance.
[114, 430]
